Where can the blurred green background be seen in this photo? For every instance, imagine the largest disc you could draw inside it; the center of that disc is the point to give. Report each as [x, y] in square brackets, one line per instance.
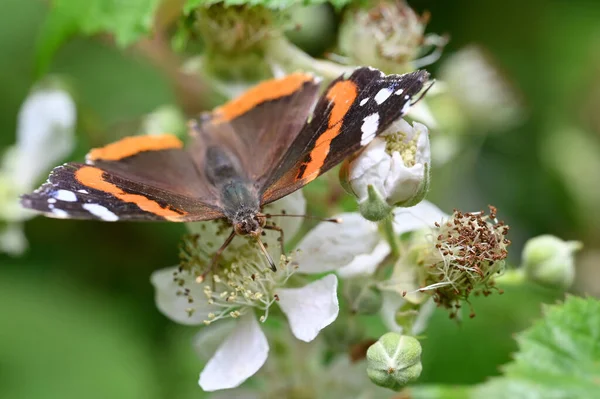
[77, 310]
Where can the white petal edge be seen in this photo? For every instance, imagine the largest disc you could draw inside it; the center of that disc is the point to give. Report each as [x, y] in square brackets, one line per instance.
[238, 358]
[390, 305]
[330, 246]
[422, 215]
[311, 308]
[365, 264]
[174, 306]
[45, 132]
[209, 338]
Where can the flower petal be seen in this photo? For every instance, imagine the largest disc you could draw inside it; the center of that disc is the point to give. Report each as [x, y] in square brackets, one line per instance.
[177, 307]
[311, 308]
[45, 133]
[330, 246]
[239, 357]
[209, 338]
[390, 305]
[365, 264]
[370, 168]
[424, 214]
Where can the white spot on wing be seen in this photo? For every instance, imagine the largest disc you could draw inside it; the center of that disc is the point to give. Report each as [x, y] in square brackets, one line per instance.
[82, 191]
[369, 128]
[383, 95]
[363, 101]
[59, 213]
[51, 200]
[65, 195]
[399, 91]
[101, 212]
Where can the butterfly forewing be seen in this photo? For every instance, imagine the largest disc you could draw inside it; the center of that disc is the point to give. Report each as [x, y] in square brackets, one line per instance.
[136, 178]
[352, 111]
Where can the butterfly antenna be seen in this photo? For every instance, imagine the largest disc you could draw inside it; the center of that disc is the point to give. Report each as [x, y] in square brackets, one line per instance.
[267, 254]
[332, 220]
[423, 93]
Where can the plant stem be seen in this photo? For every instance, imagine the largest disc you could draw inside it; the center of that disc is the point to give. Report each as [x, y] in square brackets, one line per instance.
[387, 226]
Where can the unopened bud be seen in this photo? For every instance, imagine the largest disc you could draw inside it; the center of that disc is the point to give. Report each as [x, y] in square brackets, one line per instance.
[394, 360]
[549, 261]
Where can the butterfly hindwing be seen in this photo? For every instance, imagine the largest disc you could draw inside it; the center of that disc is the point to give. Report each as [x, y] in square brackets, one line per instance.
[351, 112]
[260, 125]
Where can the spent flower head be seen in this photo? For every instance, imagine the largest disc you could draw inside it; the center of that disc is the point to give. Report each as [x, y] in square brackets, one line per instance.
[390, 36]
[468, 250]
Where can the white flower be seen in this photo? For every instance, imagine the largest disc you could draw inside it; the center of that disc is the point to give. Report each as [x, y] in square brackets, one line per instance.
[395, 165]
[244, 290]
[45, 135]
[356, 248]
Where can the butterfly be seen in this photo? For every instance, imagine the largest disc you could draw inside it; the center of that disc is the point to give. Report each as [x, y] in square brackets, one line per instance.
[259, 147]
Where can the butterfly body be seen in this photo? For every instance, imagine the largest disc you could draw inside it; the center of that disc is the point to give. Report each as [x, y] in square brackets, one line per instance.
[257, 148]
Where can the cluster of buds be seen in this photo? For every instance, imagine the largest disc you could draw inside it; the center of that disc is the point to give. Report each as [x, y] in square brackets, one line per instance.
[469, 250]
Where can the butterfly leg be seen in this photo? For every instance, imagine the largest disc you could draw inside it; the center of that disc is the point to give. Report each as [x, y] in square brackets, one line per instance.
[281, 237]
[217, 255]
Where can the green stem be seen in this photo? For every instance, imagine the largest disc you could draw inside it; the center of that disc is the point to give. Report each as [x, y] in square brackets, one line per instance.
[387, 226]
[281, 52]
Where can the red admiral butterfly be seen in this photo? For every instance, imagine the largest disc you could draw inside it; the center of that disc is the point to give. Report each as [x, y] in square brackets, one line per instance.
[253, 150]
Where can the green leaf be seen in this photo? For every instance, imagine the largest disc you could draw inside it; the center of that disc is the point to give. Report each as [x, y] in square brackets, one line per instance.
[127, 21]
[190, 5]
[559, 356]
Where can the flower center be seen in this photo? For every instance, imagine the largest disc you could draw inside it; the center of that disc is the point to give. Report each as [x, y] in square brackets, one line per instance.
[407, 146]
[239, 283]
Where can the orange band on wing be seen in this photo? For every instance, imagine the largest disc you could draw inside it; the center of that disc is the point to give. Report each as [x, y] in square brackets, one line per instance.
[92, 177]
[342, 95]
[266, 91]
[129, 146]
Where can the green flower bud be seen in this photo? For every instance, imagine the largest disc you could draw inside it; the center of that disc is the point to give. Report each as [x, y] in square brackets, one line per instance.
[234, 38]
[549, 261]
[394, 361]
[374, 208]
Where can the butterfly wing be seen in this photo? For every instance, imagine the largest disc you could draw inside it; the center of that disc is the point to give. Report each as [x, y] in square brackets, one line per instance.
[352, 111]
[259, 126]
[141, 178]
